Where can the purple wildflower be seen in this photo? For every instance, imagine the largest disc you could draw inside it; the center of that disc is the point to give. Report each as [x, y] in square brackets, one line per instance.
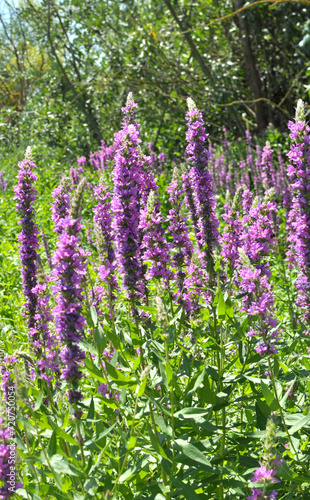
[254, 272]
[202, 204]
[128, 179]
[69, 270]
[61, 205]
[100, 158]
[82, 161]
[74, 176]
[3, 182]
[264, 474]
[231, 237]
[6, 367]
[179, 231]
[162, 158]
[299, 215]
[104, 236]
[46, 346]
[267, 472]
[154, 247]
[256, 494]
[129, 112]
[267, 167]
[25, 195]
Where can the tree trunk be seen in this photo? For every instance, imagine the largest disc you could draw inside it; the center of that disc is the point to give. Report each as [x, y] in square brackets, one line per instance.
[250, 62]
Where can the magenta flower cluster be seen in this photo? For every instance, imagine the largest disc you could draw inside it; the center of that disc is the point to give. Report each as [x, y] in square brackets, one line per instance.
[198, 184]
[257, 239]
[299, 215]
[25, 194]
[127, 179]
[68, 273]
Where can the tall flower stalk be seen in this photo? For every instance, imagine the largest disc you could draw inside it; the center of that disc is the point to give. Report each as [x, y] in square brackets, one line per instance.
[127, 177]
[299, 215]
[257, 240]
[69, 271]
[198, 184]
[25, 194]
[105, 237]
[231, 237]
[61, 204]
[179, 232]
[154, 247]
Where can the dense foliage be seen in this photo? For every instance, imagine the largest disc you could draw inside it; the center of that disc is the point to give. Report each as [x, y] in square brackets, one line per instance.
[66, 67]
[161, 352]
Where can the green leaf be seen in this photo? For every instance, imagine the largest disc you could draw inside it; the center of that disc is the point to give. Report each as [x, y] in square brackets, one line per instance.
[262, 412]
[111, 336]
[100, 436]
[187, 490]
[65, 436]
[192, 452]
[192, 412]
[229, 307]
[91, 411]
[221, 307]
[132, 442]
[94, 315]
[157, 447]
[287, 392]
[89, 365]
[163, 426]
[118, 377]
[141, 388]
[306, 362]
[269, 397]
[52, 446]
[177, 316]
[299, 425]
[101, 341]
[198, 382]
[60, 464]
[38, 401]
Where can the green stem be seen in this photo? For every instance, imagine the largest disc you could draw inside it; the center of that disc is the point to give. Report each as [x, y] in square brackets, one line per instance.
[128, 451]
[280, 407]
[221, 374]
[157, 437]
[172, 419]
[80, 440]
[46, 455]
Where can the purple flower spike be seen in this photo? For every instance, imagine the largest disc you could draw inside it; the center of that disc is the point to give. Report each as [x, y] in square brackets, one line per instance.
[198, 182]
[105, 236]
[231, 237]
[263, 474]
[256, 494]
[3, 182]
[61, 205]
[128, 183]
[180, 235]
[299, 216]
[257, 239]
[82, 161]
[69, 271]
[268, 170]
[130, 111]
[154, 246]
[25, 195]
[47, 345]
[99, 159]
